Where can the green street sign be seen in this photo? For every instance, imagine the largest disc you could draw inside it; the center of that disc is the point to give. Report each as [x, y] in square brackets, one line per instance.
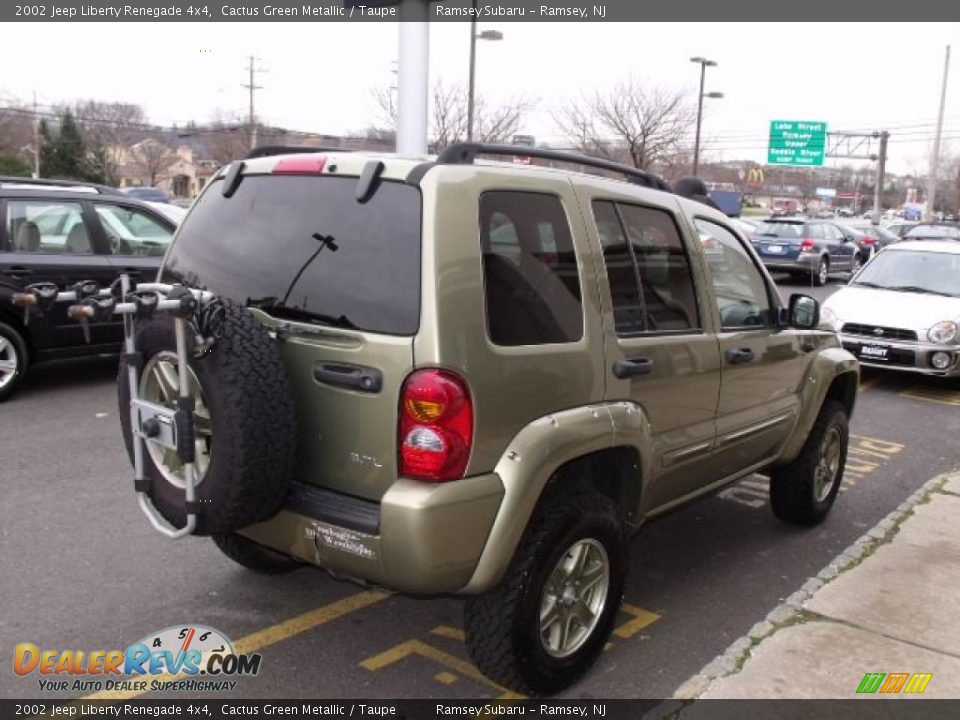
[797, 142]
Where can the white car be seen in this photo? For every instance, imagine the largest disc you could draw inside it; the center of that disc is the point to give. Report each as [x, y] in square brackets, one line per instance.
[902, 310]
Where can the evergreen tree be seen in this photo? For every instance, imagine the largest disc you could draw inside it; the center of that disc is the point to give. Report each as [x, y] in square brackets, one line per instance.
[48, 152]
[71, 150]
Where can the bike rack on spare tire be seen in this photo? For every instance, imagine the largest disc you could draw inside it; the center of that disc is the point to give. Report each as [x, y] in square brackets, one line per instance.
[171, 429]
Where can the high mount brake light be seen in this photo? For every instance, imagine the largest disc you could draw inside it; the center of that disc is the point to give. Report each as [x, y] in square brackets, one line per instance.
[436, 426]
[300, 165]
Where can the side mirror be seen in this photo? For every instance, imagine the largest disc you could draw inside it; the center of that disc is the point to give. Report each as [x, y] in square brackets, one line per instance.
[804, 312]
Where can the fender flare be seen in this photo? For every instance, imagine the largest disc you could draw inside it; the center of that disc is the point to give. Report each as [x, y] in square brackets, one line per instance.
[531, 459]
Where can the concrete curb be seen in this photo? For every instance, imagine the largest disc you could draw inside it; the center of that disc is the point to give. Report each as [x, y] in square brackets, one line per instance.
[791, 611]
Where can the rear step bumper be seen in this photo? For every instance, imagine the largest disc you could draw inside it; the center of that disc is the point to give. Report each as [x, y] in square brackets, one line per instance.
[421, 538]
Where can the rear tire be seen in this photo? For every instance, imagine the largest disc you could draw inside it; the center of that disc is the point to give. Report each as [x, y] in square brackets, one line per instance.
[803, 491]
[14, 360]
[822, 273]
[253, 555]
[505, 633]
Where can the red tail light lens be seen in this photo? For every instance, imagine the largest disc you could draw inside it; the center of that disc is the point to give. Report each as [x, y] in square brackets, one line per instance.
[436, 426]
[301, 165]
[869, 240]
[807, 244]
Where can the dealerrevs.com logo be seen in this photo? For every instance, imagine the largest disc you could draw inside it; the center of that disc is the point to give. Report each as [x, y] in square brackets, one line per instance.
[189, 658]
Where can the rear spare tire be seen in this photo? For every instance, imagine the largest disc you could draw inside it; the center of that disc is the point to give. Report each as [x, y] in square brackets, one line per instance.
[244, 419]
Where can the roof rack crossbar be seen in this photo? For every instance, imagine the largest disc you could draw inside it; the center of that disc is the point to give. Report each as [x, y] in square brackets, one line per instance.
[465, 153]
[53, 182]
[268, 150]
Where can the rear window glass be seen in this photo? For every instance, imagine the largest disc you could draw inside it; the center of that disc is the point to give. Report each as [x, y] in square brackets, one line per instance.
[780, 229]
[303, 248]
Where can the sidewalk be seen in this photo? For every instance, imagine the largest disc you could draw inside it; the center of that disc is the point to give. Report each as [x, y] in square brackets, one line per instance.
[890, 603]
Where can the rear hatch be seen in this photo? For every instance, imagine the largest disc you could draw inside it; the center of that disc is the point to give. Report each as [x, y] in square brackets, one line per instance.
[775, 240]
[338, 281]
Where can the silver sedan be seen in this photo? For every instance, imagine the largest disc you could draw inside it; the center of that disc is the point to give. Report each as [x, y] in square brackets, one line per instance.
[902, 310]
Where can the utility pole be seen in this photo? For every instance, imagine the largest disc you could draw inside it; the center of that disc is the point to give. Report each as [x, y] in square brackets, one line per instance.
[251, 86]
[935, 160]
[412, 80]
[36, 138]
[881, 175]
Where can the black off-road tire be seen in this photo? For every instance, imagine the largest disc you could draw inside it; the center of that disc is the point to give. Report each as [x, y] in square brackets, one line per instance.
[19, 345]
[253, 425]
[253, 555]
[792, 487]
[503, 625]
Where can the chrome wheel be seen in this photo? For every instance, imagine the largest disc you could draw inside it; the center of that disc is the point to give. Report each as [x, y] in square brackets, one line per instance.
[9, 362]
[160, 384]
[574, 598]
[828, 464]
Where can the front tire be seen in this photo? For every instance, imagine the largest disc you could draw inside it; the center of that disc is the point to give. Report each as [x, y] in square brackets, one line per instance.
[14, 359]
[547, 622]
[802, 492]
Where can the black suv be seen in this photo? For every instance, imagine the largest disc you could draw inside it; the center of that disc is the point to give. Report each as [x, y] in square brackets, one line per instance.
[65, 232]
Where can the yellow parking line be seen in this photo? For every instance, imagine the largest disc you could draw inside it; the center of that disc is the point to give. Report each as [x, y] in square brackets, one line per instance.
[416, 647]
[272, 635]
[946, 397]
[449, 632]
[641, 618]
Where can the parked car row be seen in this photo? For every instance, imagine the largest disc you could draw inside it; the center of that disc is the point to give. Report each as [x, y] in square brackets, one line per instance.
[63, 233]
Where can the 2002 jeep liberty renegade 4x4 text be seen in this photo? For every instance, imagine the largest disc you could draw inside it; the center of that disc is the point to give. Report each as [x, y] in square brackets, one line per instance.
[479, 378]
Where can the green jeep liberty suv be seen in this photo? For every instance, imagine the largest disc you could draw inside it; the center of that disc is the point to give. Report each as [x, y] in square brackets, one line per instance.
[481, 378]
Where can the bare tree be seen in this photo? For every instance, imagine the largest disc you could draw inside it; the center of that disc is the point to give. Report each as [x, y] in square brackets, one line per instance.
[152, 158]
[16, 128]
[640, 125]
[109, 128]
[448, 116]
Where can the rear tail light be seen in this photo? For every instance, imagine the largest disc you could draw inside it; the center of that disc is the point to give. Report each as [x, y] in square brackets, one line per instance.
[300, 165]
[869, 240]
[807, 244]
[436, 426]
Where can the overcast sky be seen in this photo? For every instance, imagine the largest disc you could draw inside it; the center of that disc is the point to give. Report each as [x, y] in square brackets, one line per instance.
[319, 76]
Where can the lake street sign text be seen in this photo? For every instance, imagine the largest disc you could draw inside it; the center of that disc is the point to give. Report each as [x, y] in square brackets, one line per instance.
[797, 142]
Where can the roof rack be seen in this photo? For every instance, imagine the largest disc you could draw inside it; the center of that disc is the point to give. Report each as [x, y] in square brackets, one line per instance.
[465, 153]
[268, 150]
[55, 183]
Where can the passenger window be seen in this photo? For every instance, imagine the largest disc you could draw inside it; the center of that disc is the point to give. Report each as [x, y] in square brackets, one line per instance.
[531, 279]
[131, 231]
[47, 227]
[738, 285]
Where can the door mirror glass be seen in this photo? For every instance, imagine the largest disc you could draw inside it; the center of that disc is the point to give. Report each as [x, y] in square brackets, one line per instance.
[804, 312]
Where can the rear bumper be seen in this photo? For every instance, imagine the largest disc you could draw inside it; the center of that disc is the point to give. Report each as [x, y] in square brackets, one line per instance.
[428, 537]
[907, 356]
[805, 261]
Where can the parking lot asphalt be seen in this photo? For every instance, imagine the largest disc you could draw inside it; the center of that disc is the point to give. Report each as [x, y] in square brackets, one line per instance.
[82, 569]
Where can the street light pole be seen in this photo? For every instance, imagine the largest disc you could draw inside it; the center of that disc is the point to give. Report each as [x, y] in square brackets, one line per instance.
[485, 35]
[704, 63]
[473, 69]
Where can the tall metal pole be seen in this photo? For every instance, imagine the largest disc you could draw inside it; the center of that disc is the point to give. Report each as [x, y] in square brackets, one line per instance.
[881, 176]
[36, 138]
[935, 160]
[251, 86]
[473, 70]
[696, 143]
[413, 77]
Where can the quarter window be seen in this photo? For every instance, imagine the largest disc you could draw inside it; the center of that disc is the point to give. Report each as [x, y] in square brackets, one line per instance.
[739, 287]
[530, 270]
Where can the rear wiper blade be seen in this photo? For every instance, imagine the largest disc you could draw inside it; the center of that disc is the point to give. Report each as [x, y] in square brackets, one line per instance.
[768, 234]
[917, 288]
[278, 309]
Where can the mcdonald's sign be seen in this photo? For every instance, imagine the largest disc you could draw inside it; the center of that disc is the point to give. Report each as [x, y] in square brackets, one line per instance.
[755, 176]
[894, 683]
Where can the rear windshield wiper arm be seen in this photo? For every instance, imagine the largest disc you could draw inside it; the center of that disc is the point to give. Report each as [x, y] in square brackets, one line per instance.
[272, 305]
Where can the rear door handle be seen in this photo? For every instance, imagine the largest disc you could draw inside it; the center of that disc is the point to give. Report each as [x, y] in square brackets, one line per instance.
[357, 377]
[739, 355]
[631, 367]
